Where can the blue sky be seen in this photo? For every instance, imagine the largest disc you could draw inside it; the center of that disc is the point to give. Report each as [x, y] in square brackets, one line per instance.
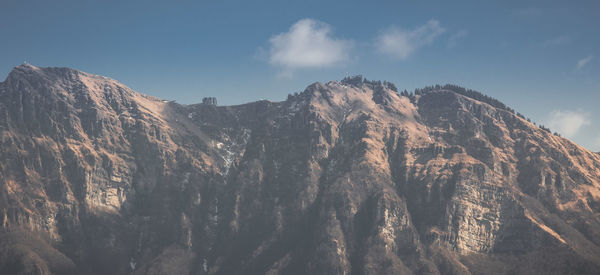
[540, 57]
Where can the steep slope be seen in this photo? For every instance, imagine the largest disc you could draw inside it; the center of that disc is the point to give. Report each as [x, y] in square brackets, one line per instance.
[344, 178]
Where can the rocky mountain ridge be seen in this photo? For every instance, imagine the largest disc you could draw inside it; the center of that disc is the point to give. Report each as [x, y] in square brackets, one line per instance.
[346, 177]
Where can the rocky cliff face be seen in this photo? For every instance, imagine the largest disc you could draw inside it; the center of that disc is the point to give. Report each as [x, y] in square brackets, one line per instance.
[344, 178]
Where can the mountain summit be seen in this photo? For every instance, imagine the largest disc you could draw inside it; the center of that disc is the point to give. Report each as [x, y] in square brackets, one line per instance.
[346, 177]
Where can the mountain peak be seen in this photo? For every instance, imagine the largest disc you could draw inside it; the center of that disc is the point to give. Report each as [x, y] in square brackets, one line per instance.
[23, 69]
[30, 68]
[33, 78]
[359, 80]
[26, 65]
[28, 73]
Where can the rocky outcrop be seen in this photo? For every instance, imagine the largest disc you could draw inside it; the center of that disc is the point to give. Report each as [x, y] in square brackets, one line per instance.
[346, 177]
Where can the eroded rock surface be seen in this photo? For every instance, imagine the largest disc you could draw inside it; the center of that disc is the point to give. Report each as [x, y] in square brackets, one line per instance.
[344, 178]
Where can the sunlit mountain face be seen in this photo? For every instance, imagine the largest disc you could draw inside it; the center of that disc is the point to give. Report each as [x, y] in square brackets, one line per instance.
[348, 177]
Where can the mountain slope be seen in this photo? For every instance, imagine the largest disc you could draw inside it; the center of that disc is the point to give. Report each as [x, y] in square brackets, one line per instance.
[345, 177]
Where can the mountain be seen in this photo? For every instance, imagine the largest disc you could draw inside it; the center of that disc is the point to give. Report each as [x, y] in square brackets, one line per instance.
[346, 177]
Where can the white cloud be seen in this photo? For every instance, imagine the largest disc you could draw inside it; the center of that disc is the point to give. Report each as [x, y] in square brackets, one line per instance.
[453, 40]
[568, 123]
[307, 44]
[584, 61]
[401, 43]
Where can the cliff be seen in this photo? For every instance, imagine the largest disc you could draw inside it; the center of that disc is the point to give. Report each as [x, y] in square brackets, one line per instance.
[346, 177]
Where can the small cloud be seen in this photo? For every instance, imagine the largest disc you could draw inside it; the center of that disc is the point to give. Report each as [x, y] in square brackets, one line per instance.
[453, 40]
[584, 61]
[557, 41]
[307, 44]
[527, 12]
[568, 123]
[401, 43]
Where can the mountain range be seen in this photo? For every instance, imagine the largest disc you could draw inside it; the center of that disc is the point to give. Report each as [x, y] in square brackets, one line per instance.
[346, 177]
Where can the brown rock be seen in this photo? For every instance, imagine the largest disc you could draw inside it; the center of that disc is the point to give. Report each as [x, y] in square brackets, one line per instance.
[344, 178]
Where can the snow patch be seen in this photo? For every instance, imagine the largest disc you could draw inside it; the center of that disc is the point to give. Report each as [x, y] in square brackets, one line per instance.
[228, 158]
[344, 118]
[132, 264]
[230, 149]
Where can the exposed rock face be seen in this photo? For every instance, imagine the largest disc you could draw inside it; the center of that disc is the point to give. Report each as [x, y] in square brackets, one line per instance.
[343, 178]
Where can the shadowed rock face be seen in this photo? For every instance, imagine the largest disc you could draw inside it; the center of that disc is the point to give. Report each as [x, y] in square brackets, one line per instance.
[343, 178]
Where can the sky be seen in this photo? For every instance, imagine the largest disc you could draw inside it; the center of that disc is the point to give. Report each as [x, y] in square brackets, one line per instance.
[541, 58]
